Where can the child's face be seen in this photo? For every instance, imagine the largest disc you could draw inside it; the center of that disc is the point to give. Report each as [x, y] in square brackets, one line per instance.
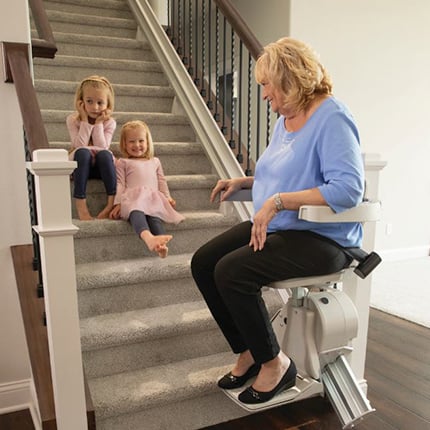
[136, 144]
[95, 101]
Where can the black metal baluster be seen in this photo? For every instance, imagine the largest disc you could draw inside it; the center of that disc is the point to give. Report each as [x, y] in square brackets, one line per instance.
[248, 171]
[239, 155]
[232, 142]
[190, 39]
[216, 116]
[224, 76]
[179, 49]
[202, 88]
[209, 103]
[196, 50]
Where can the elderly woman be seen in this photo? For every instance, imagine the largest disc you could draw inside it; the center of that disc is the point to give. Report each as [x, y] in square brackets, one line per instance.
[313, 159]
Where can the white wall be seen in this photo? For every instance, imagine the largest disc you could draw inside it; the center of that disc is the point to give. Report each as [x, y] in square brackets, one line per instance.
[379, 58]
[15, 226]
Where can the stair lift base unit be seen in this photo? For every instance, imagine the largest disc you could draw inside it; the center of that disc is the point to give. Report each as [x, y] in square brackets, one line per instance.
[316, 326]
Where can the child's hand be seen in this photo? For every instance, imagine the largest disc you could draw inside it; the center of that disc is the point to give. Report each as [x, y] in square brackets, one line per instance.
[172, 202]
[104, 116]
[115, 213]
[80, 106]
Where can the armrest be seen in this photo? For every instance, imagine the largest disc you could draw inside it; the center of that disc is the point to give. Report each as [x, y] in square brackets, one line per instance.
[364, 212]
[242, 195]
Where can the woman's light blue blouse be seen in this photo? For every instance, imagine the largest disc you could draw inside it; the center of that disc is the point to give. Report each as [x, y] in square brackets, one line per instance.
[324, 153]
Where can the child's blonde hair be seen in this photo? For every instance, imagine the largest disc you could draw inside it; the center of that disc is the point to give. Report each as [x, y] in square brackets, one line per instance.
[98, 82]
[133, 125]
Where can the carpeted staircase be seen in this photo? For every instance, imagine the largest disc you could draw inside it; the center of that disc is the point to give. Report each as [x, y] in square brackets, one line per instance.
[152, 353]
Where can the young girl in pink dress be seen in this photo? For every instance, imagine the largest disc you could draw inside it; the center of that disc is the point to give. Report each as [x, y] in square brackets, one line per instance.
[91, 128]
[142, 196]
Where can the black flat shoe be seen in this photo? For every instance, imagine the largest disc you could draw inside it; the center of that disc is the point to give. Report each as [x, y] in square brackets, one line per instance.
[229, 381]
[252, 396]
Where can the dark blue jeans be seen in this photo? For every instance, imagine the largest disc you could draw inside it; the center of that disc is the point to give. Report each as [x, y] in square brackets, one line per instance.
[230, 275]
[103, 169]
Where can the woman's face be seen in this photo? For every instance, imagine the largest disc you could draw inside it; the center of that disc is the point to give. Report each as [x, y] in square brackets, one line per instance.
[273, 96]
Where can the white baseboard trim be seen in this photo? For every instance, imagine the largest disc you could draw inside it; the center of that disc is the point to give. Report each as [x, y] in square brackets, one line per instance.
[404, 253]
[15, 396]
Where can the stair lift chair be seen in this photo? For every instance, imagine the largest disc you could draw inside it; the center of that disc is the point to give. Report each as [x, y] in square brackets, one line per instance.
[318, 322]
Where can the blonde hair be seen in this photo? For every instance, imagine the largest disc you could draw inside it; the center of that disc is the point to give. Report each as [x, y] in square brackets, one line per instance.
[98, 82]
[293, 68]
[133, 125]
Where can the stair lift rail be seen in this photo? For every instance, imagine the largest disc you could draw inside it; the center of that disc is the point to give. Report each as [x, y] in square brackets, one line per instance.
[318, 322]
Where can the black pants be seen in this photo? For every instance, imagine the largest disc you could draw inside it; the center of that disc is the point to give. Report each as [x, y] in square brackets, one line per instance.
[230, 275]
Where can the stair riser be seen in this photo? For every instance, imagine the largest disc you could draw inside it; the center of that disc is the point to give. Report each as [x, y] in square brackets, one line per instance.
[91, 249]
[64, 101]
[90, 9]
[116, 76]
[123, 298]
[180, 133]
[126, 358]
[190, 414]
[104, 52]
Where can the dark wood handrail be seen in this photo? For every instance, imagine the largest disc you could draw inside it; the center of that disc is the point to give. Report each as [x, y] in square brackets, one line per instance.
[240, 27]
[18, 71]
[45, 46]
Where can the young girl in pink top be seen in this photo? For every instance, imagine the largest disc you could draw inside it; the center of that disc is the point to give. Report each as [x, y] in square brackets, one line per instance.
[91, 129]
[142, 196]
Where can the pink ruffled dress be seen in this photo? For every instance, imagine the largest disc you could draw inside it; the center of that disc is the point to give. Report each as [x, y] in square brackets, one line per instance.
[142, 186]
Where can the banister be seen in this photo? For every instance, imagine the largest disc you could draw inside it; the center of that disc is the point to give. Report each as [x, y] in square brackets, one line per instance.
[45, 46]
[17, 70]
[240, 27]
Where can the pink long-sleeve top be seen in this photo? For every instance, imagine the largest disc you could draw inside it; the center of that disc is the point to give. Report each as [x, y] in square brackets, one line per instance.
[142, 186]
[81, 132]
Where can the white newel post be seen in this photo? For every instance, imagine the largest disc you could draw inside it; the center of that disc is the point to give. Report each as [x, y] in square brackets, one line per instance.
[51, 169]
[359, 289]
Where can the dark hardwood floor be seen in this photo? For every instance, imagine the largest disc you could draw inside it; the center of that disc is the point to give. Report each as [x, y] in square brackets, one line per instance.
[398, 375]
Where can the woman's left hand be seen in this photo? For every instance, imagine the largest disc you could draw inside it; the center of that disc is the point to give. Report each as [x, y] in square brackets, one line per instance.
[261, 221]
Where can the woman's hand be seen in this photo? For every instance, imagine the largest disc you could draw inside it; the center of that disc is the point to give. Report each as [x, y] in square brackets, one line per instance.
[261, 221]
[115, 213]
[228, 186]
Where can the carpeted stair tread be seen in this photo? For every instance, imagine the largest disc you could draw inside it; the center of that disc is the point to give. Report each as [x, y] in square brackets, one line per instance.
[95, 7]
[104, 64]
[132, 271]
[147, 388]
[91, 20]
[193, 220]
[96, 40]
[144, 325]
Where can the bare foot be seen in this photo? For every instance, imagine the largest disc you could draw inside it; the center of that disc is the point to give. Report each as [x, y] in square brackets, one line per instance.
[243, 363]
[162, 251]
[107, 209]
[156, 244]
[271, 373]
[104, 213]
[82, 210]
